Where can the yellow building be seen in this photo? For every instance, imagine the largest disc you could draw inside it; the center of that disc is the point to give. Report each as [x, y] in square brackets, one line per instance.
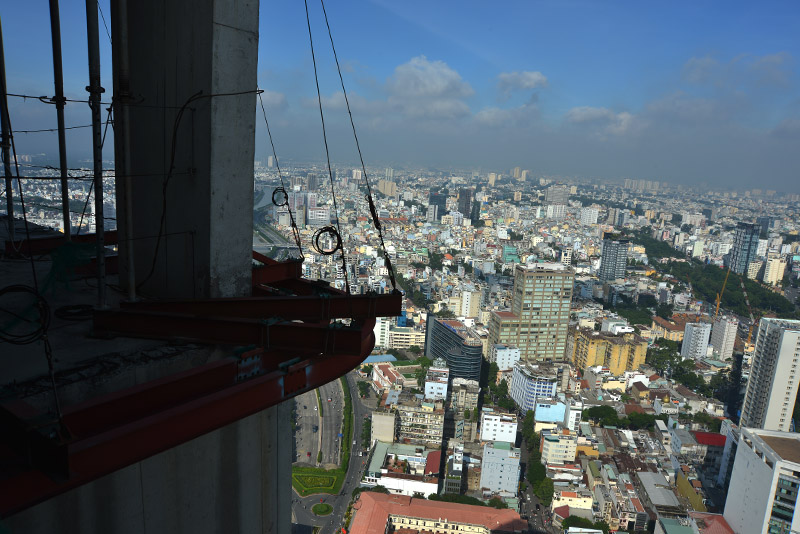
[620, 353]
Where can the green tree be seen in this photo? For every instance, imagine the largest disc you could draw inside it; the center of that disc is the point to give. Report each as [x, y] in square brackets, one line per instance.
[445, 313]
[544, 490]
[415, 350]
[497, 502]
[536, 472]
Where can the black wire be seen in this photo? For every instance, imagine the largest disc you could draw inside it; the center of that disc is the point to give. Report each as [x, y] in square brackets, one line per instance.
[373, 212]
[54, 129]
[327, 153]
[100, 9]
[50, 100]
[43, 322]
[91, 187]
[197, 96]
[295, 231]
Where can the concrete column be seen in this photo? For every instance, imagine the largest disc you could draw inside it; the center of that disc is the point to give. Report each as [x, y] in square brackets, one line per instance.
[178, 48]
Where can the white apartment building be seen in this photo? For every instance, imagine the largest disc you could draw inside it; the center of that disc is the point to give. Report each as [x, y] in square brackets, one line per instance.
[589, 216]
[772, 387]
[381, 330]
[496, 426]
[505, 356]
[559, 446]
[436, 380]
[695, 340]
[573, 414]
[723, 336]
[470, 304]
[500, 468]
[762, 496]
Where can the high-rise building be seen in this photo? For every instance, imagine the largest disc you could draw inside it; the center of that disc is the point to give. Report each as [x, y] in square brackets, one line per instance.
[389, 174]
[517, 172]
[439, 200]
[270, 161]
[357, 174]
[774, 270]
[772, 386]
[465, 202]
[614, 259]
[457, 344]
[765, 223]
[745, 247]
[589, 216]
[695, 340]
[470, 303]
[557, 194]
[566, 256]
[387, 187]
[538, 322]
[723, 335]
[492, 178]
[762, 496]
[498, 426]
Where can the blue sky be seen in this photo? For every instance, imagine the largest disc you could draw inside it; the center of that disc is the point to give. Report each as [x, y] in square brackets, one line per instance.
[686, 92]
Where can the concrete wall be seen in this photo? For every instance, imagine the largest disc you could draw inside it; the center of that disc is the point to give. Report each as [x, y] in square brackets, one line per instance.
[745, 509]
[177, 49]
[225, 481]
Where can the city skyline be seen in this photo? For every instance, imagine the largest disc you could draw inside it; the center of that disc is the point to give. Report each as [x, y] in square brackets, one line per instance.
[693, 95]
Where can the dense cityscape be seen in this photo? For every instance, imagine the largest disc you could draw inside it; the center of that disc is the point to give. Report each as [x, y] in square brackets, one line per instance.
[574, 354]
[399, 267]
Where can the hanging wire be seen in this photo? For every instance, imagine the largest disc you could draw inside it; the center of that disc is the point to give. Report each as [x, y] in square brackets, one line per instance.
[91, 186]
[195, 97]
[373, 211]
[44, 310]
[295, 231]
[53, 129]
[327, 152]
[100, 9]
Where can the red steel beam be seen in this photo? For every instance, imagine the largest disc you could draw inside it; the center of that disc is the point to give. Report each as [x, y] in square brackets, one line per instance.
[200, 405]
[305, 308]
[223, 331]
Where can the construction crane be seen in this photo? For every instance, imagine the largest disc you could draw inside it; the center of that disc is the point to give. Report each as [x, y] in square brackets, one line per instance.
[721, 291]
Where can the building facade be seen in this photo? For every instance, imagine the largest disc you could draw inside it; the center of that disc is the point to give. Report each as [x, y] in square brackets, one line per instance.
[457, 344]
[618, 353]
[723, 336]
[614, 259]
[745, 247]
[421, 422]
[762, 496]
[772, 387]
[559, 446]
[505, 356]
[436, 380]
[529, 382]
[695, 340]
[500, 468]
[538, 322]
[496, 426]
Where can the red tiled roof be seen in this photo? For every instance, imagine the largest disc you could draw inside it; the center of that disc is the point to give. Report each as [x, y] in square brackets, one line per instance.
[505, 314]
[639, 386]
[711, 523]
[373, 510]
[561, 511]
[432, 462]
[633, 408]
[711, 439]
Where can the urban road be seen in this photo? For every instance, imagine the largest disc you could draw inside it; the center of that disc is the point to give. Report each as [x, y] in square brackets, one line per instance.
[327, 436]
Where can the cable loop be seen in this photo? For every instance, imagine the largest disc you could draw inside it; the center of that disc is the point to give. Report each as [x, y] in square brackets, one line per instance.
[329, 231]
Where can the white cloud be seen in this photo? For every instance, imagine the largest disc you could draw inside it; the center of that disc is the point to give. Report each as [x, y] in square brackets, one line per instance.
[507, 82]
[274, 101]
[608, 121]
[428, 89]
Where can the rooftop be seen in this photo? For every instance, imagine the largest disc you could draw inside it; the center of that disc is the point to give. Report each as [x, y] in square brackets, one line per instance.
[788, 448]
[373, 511]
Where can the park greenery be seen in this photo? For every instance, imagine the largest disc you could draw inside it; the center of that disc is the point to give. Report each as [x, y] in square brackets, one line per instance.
[311, 480]
[707, 281]
[498, 394]
[664, 357]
